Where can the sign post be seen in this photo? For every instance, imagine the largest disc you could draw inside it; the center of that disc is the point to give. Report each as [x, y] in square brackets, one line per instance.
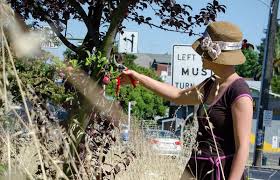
[267, 118]
[187, 68]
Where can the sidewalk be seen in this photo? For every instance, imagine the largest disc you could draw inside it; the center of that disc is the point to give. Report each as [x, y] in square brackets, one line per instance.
[272, 161]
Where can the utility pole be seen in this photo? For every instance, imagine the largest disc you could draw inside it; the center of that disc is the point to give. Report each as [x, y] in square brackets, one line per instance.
[130, 104]
[129, 112]
[265, 83]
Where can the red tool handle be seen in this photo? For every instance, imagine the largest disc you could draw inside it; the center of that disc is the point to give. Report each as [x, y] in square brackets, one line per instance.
[118, 87]
[133, 81]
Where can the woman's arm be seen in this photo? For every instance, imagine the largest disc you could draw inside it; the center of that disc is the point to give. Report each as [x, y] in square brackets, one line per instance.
[171, 93]
[242, 114]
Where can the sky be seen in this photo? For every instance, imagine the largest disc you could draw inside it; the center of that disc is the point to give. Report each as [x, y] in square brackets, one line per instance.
[250, 15]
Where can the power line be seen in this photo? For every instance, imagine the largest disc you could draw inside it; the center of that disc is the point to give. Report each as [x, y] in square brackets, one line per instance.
[264, 3]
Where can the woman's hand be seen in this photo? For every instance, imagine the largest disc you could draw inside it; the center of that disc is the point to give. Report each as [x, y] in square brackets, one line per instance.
[129, 77]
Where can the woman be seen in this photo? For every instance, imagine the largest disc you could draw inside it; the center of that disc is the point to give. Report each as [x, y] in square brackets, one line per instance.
[223, 138]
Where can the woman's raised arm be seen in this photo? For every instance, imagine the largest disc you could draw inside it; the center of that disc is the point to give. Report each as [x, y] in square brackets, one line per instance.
[171, 93]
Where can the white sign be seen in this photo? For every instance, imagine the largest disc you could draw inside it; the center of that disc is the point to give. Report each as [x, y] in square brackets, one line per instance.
[128, 42]
[50, 40]
[187, 68]
[267, 118]
[274, 141]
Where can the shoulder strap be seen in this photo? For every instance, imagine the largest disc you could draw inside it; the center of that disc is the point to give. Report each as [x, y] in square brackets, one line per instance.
[208, 86]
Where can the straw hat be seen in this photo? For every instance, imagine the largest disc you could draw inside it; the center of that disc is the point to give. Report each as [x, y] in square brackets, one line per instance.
[221, 43]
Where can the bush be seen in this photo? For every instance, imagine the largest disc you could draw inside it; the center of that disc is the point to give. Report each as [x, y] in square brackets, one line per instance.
[148, 104]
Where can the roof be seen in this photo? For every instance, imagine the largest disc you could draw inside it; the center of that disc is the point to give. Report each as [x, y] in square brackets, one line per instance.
[146, 59]
[256, 85]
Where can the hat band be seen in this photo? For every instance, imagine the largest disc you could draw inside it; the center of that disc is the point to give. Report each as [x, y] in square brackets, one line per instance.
[214, 48]
[225, 46]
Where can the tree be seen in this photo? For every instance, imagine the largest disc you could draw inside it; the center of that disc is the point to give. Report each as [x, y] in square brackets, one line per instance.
[251, 68]
[275, 82]
[103, 19]
[148, 104]
[40, 75]
[276, 62]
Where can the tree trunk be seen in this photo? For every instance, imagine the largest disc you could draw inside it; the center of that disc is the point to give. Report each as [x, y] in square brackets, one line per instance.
[117, 18]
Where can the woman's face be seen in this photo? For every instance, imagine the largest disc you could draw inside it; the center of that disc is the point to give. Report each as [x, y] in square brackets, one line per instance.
[206, 64]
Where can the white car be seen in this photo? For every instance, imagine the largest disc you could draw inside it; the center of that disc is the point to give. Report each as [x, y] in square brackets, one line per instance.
[164, 142]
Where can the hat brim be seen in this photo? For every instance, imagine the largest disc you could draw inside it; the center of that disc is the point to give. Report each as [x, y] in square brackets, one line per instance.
[234, 57]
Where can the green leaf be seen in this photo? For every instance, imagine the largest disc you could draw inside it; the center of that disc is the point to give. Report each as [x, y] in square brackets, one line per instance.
[99, 55]
[147, 103]
[69, 99]
[88, 61]
[88, 53]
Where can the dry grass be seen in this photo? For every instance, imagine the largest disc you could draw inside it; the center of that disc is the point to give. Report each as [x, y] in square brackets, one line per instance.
[148, 165]
[153, 167]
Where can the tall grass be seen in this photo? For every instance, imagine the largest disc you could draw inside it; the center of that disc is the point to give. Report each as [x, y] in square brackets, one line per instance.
[149, 164]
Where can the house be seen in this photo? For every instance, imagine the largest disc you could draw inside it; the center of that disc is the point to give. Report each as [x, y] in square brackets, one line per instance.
[161, 63]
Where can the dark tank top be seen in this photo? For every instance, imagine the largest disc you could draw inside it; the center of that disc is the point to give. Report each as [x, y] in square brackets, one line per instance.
[204, 158]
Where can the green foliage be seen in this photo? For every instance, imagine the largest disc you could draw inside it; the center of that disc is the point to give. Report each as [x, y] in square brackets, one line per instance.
[95, 64]
[3, 169]
[40, 75]
[277, 44]
[69, 54]
[276, 64]
[275, 84]
[251, 67]
[103, 19]
[148, 104]
[261, 50]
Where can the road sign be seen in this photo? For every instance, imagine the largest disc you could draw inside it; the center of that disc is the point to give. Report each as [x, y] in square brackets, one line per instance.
[267, 118]
[187, 67]
[128, 42]
[274, 141]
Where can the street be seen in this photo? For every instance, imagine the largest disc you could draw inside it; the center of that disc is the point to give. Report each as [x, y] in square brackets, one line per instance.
[263, 174]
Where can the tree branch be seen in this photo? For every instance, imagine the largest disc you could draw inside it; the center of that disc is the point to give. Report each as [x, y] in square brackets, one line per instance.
[55, 30]
[84, 16]
[61, 37]
[117, 18]
[80, 11]
[93, 35]
[163, 28]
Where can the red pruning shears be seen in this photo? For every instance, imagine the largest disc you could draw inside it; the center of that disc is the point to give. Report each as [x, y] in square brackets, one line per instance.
[122, 68]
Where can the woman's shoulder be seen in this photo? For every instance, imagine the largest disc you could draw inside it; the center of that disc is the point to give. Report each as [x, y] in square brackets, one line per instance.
[239, 84]
[239, 88]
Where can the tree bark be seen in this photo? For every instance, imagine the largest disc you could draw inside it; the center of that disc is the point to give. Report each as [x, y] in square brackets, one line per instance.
[117, 18]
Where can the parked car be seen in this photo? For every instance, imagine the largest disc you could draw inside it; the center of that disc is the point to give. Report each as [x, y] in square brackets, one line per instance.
[164, 142]
[124, 133]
